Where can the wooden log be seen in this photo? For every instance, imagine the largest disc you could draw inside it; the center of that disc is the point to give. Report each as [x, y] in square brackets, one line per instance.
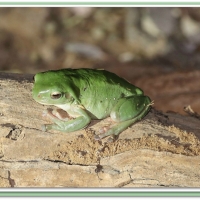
[162, 150]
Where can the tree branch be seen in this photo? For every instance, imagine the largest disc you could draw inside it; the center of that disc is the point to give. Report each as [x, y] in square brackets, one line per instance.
[161, 150]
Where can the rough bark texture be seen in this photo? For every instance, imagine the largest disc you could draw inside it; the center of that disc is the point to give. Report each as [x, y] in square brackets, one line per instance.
[162, 150]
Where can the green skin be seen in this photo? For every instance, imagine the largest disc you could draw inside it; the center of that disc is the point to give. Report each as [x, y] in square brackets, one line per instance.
[87, 94]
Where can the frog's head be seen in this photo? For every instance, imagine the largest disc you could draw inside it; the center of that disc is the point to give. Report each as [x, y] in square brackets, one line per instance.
[52, 88]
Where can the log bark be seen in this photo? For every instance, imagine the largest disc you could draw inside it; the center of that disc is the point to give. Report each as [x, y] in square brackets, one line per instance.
[162, 150]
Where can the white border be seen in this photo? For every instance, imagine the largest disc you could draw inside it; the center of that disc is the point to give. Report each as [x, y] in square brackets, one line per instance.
[103, 1]
[99, 189]
[99, 3]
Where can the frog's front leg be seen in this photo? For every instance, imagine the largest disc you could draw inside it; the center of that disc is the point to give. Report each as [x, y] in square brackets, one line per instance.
[82, 120]
[56, 115]
[127, 111]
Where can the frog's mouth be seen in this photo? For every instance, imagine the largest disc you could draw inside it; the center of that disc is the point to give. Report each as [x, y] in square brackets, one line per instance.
[43, 103]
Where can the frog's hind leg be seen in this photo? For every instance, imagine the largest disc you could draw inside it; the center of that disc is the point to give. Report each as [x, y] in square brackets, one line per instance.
[127, 111]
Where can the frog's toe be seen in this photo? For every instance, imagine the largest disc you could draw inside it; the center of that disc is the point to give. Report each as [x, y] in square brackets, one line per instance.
[43, 127]
[101, 136]
[96, 137]
[102, 132]
[44, 113]
[104, 129]
[110, 140]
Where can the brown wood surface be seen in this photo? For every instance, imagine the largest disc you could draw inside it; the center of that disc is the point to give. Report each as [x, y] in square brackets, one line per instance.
[162, 150]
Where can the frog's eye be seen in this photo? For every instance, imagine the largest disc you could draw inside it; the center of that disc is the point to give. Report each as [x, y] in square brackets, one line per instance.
[56, 95]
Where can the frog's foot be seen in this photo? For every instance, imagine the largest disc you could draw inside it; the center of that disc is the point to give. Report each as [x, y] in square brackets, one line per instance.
[102, 132]
[115, 130]
[55, 115]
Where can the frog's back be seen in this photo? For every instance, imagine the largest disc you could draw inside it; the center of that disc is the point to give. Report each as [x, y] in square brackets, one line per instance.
[101, 78]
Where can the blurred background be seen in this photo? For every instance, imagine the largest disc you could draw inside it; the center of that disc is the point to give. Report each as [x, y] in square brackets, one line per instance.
[157, 49]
